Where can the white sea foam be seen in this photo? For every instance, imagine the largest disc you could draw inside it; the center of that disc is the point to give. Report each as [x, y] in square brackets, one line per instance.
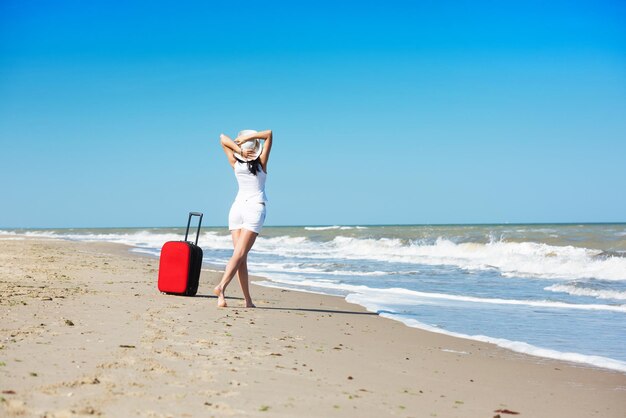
[10, 236]
[448, 350]
[149, 251]
[582, 291]
[327, 228]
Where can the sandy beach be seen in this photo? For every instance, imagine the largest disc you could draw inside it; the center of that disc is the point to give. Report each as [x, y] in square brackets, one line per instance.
[85, 332]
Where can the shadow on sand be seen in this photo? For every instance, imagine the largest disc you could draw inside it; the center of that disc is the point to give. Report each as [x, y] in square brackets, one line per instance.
[293, 309]
[317, 310]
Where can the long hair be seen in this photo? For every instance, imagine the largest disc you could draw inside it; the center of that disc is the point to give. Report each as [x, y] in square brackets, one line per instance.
[253, 165]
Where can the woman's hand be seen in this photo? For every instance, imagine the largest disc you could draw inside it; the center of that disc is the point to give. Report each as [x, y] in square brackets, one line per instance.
[238, 141]
[247, 153]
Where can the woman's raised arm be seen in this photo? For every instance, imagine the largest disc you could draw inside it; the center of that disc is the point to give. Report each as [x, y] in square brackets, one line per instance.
[267, 147]
[248, 137]
[230, 147]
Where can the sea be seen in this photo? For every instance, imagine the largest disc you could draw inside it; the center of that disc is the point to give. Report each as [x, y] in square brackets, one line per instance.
[549, 290]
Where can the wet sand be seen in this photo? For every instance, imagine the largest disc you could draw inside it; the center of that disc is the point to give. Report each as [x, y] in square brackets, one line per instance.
[84, 331]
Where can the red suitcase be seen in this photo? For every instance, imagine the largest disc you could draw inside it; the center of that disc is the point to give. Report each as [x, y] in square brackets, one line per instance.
[180, 264]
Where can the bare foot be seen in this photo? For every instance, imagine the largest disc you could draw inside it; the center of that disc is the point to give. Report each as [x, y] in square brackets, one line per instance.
[221, 301]
[249, 304]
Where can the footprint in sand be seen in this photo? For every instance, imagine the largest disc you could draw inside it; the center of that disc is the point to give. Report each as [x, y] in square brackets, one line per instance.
[15, 407]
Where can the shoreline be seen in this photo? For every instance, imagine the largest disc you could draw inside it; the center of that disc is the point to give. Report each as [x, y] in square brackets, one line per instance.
[403, 371]
[520, 347]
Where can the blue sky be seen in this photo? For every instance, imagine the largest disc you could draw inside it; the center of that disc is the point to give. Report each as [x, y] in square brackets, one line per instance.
[383, 112]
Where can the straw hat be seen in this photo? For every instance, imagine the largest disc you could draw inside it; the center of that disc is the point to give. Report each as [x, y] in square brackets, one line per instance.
[253, 144]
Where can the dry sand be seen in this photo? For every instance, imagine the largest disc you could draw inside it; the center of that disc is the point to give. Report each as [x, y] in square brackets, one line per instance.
[84, 331]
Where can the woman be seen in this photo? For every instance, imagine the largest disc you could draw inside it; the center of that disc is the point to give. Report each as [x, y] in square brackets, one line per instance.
[248, 157]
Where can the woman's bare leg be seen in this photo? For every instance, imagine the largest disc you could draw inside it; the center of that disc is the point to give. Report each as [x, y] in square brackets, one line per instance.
[242, 274]
[242, 247]
[221, 293]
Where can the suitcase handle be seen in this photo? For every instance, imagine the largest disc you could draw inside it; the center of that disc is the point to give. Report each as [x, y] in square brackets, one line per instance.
[189, 223]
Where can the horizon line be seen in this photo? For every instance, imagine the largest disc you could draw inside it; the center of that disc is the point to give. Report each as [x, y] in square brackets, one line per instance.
[326, 225]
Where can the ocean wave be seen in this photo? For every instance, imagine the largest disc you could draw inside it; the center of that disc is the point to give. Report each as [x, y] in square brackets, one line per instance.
[140, 238]
[511, 259]
[582, 291]
[333, 227]
[270, 268]
[396, 296]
